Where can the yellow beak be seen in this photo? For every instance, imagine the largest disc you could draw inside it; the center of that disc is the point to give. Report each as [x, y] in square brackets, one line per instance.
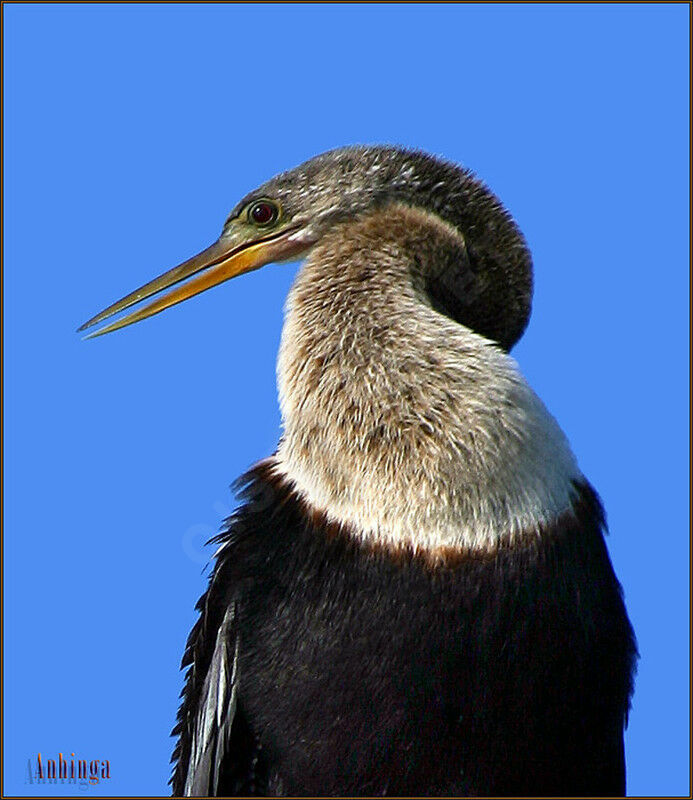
[219, 262]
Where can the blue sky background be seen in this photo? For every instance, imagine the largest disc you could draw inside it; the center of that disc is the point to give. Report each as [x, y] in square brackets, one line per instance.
[130, 132]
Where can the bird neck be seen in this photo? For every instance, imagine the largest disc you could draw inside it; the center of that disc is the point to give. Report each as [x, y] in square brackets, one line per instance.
[400, 424]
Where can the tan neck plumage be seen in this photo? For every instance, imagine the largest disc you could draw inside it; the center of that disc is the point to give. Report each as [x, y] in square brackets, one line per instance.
[399, 423]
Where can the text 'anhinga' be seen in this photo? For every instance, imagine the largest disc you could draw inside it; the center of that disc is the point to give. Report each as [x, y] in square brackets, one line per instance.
[415, 596]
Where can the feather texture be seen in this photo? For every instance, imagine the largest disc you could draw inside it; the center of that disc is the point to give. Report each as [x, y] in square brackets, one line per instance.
[217, 707]
[360, 671]
[415, 595]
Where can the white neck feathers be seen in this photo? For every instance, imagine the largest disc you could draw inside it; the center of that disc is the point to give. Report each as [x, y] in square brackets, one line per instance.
[403, 426]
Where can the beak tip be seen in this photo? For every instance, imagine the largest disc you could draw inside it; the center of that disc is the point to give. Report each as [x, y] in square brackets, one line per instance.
[93, 334]
[88, 324]
[216, 264]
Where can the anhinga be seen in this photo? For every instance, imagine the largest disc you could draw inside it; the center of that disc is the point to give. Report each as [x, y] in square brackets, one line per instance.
[415, 596]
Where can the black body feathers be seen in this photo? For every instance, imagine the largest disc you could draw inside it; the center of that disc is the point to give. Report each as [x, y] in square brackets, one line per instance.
[354, 671]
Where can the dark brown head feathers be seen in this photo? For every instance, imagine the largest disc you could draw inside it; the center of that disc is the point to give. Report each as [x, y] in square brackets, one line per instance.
[488, 287]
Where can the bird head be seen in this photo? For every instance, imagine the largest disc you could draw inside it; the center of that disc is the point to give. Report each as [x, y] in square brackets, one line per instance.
[282, 220]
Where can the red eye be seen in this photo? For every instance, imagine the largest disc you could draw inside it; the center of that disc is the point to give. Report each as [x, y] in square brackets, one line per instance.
[263, 212]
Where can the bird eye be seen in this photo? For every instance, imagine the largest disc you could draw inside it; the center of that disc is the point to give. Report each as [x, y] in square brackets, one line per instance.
[263, 212]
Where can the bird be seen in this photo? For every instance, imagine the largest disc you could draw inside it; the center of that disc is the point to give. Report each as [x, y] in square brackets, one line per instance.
[414, 595]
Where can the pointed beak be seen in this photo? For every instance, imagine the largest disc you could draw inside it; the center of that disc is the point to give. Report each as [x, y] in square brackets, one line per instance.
[218, 263]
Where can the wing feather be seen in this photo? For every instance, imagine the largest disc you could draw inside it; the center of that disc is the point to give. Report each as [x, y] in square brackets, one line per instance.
[216, 710]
